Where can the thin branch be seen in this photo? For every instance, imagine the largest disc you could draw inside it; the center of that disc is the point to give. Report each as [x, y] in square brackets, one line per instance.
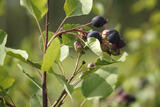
[75, 69]
[11, 100]
[44, 77]
[6, 102]
[62, 23]
[83, 102]
[65, 31]
[41, 32]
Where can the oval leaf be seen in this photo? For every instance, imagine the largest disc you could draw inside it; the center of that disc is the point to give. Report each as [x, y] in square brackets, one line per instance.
[100, 84]
[95, 46]
[64, 52]
[17, 53]
[38, 8]
[3, 40]
[77, 7]
[51, 54]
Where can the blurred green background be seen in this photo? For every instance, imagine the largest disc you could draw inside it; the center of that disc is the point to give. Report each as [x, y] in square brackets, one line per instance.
[139, 24]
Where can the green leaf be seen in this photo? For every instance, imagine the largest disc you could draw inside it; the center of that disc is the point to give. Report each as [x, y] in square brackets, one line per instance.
[32, 79]
[64, 53]
[95, 46]
[5, 80]
[37, 8]
[63, 81]
[77, 7]
[3, 37]
[19, 54]
[3, 40]
[100, 84]
[51, 54]
[36, 100]
[123, 57]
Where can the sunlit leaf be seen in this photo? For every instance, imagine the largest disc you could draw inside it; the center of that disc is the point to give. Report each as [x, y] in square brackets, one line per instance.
[100, 84]
[17, 53]
[77, 7]
[51, 54]
[3, 40]
[38, 8]
[95, 46]
[64, 52]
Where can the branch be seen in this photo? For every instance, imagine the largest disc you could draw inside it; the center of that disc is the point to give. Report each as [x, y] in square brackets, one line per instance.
[44, 77]
[6, 102]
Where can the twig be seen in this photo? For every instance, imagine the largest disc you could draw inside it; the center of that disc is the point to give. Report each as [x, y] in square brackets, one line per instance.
[69, 30]
[40, 30]
[44, 77]
[62, 23]
[75, 69]
[83, 102]
[6, 102]
[65, 31]
[11, 100]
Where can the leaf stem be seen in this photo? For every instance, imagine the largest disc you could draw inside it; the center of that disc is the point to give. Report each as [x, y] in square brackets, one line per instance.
[83, 102]
[40, 30]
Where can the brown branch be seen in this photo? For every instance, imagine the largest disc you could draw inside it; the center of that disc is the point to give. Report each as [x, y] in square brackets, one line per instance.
[44, 76]
[62, 23]
[69, 30]
[6, 102]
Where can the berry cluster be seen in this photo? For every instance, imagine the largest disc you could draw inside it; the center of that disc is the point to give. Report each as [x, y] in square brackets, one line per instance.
[110, 40]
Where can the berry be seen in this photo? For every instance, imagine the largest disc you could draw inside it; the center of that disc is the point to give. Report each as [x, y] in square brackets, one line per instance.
[130, 98]
[113, 36]
[105, 46]
[105, 34]
[113, 46]
[94, 34]
[98, 21]
[91, 65]
[78, 46]
[121, 43]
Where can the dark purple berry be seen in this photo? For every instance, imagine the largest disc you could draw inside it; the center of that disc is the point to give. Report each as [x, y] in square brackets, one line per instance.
[94, 34]
[130, 98]
[98, 21]
[113, 36]
[121, 43]
[113, 46]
